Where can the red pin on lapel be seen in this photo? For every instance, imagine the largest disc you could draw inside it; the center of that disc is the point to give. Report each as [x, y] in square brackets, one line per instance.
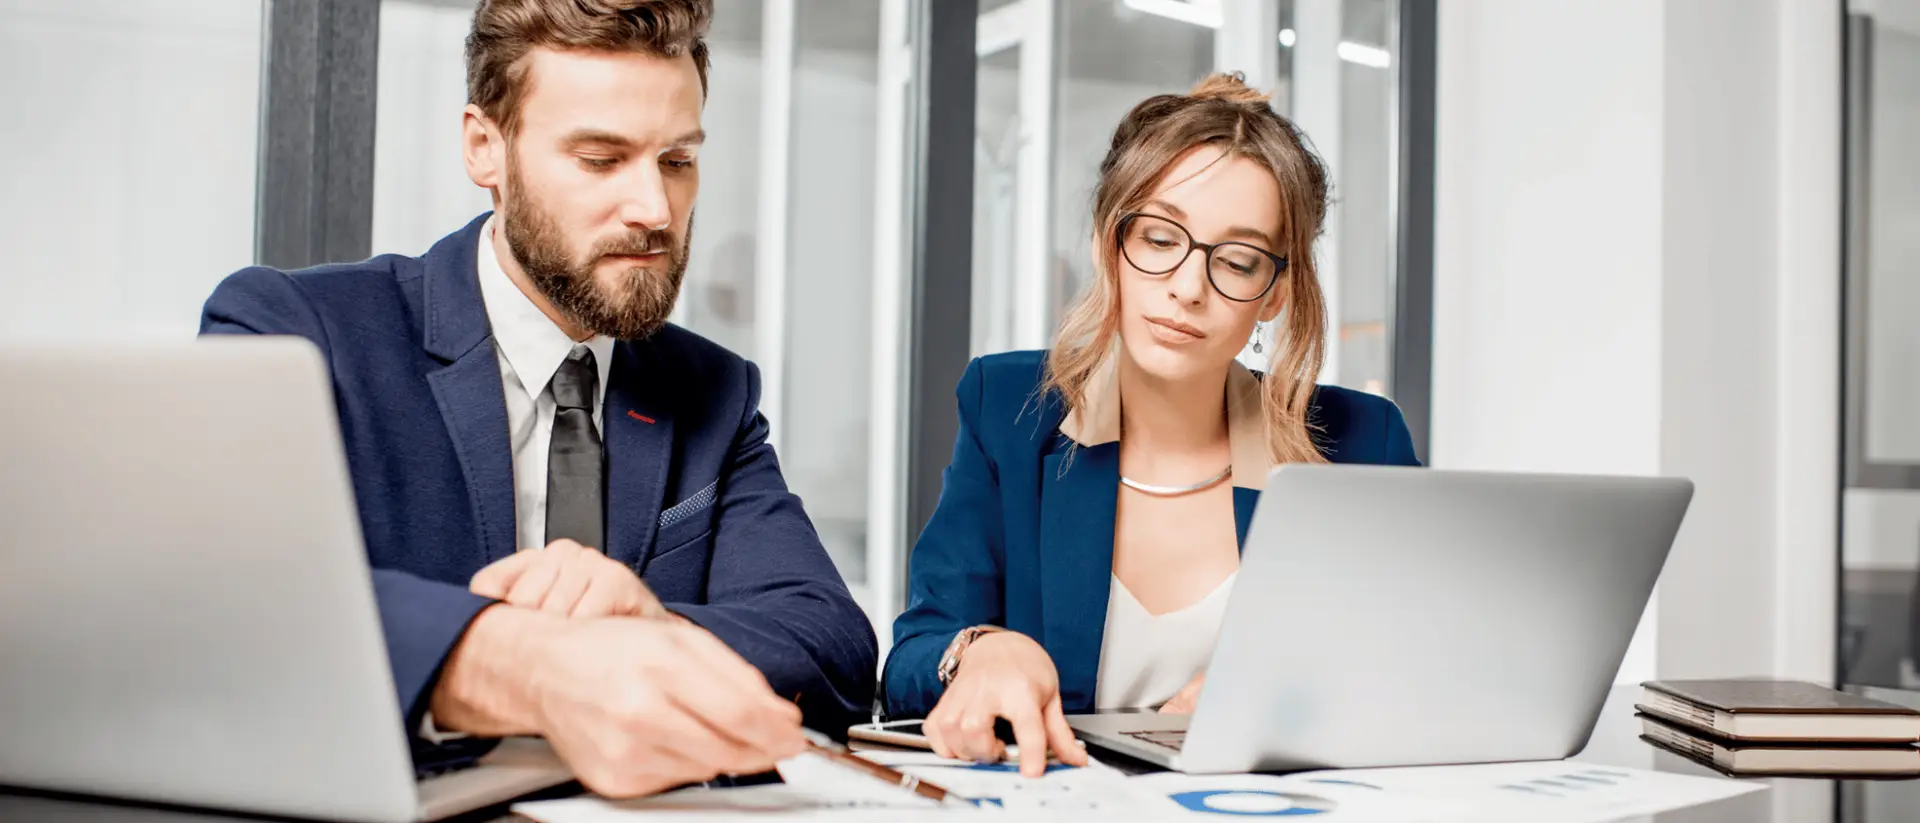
[640, 417]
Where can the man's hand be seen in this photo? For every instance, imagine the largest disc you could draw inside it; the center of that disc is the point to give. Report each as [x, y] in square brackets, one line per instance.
[569, 580]
[640, 706]
[1184, 700]
[633, 706]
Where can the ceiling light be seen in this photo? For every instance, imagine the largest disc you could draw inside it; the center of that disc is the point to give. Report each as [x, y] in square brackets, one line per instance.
[1199, 14]
[1207, 14]
[1373, 56]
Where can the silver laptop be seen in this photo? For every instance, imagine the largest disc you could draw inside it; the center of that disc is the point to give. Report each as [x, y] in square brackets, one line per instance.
[187, 614]
[1399, 616]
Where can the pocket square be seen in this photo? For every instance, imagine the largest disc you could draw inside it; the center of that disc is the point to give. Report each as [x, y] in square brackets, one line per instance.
[690, 506]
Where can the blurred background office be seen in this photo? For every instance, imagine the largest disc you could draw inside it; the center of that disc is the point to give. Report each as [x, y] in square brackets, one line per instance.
[157, 145]
[1644, 236]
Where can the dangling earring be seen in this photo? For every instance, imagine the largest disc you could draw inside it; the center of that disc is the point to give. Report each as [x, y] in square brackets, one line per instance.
[1258, 327]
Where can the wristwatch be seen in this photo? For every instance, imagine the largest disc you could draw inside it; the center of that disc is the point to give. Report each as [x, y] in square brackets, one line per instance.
[950, 661]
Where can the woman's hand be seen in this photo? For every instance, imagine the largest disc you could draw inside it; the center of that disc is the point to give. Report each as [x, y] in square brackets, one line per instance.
[1184, 700]
[1004, 674]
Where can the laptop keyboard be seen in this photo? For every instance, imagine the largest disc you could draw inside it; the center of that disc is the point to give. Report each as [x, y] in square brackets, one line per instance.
[1164, 739]
[457, 755]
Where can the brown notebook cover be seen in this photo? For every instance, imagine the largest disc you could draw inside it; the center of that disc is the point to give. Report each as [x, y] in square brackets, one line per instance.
[1736, 759]
[1774, 697]
[1779, 710]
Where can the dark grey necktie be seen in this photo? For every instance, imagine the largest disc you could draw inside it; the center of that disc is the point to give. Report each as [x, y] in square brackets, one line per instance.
[575, 470]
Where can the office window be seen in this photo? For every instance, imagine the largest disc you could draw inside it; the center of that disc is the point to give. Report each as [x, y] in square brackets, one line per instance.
[131, 134]
[1879, 621]
[717, 299]
[421, 192]
[1890, 196]
[1364, 149]
[996, 175]
[828, 271]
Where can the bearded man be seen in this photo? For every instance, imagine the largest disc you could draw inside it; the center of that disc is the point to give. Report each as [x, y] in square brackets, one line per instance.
[577, 527]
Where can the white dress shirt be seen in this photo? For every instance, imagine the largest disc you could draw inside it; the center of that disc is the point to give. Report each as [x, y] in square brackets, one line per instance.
[531, 349]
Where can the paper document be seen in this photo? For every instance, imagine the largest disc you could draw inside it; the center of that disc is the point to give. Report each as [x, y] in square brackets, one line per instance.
[1096, 790]
[1227, 796]
[1541, 792]
[819, 791]
[778, 802]
[1556, 791]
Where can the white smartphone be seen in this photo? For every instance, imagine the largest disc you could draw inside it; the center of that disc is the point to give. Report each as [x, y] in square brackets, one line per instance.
[911, 734]
[907, 733]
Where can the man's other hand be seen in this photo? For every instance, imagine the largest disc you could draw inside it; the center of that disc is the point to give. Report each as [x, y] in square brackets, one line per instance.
[569, 580]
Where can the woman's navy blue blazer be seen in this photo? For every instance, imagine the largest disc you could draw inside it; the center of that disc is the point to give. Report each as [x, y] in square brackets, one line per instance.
[1023, 534]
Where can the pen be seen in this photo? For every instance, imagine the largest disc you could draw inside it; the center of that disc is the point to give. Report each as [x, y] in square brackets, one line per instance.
[825, 747]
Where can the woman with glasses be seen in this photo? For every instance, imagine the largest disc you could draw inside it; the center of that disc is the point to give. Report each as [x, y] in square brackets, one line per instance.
[1089, 529]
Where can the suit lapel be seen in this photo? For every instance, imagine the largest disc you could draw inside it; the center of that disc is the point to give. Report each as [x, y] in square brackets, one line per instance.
[1244, 502]
[1247, 440]
[468, 392]
[467, 387]
[637, 426]
[1078, 501]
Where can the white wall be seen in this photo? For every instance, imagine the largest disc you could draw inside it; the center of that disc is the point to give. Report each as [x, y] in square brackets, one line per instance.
[1636, 272]
[1750, 356]
[1546, 351]
[129, 141]
[1637, 250]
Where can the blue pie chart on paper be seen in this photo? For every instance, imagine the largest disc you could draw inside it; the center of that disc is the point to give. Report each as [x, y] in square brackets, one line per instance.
[1011, 767]
[1252, 803]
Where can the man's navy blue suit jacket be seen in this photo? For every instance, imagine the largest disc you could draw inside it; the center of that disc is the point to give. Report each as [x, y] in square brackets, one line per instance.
[695, 500]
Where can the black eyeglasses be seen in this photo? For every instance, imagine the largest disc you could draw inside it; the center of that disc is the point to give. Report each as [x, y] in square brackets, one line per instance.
[1240, 272]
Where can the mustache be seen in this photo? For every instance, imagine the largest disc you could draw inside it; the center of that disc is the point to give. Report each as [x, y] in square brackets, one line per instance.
[636, 243]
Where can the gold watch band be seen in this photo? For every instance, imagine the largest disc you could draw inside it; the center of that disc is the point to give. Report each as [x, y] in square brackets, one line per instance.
[950, 661]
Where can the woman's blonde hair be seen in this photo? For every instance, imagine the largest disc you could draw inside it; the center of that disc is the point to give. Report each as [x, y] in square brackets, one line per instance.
[1221, 111]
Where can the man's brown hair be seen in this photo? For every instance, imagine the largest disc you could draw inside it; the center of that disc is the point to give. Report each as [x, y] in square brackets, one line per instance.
[504, 31]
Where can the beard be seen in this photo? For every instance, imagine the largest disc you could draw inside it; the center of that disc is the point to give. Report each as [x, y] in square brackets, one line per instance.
[632, 307]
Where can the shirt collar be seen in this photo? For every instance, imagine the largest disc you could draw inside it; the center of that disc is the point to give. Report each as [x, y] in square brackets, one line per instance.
[530, 341]
[1097, 420]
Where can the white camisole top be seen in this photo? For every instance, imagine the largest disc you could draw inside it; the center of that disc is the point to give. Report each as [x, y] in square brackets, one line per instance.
[1147, 658]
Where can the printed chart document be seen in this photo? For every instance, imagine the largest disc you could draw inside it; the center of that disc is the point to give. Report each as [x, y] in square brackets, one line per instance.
[1097, 791]
[818, 791]
[1555, 791]
[1540, 792]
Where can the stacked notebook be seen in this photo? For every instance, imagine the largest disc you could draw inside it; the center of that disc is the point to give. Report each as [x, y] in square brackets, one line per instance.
[1780, 727]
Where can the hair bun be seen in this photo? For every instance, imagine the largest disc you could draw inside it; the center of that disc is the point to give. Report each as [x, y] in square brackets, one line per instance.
[1229, 86]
